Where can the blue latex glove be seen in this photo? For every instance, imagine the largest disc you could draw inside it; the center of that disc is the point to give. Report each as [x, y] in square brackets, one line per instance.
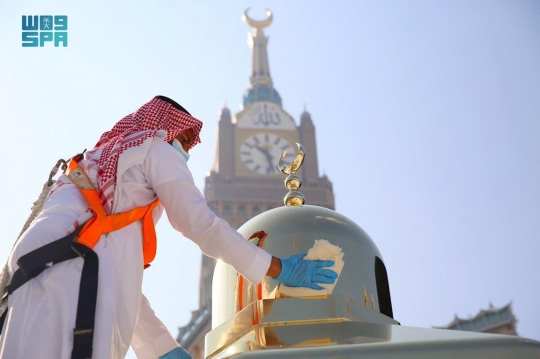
[176, 353]
[296, 272]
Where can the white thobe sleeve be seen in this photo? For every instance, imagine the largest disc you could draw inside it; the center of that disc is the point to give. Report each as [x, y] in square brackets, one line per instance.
[167, 173]
[151, 339]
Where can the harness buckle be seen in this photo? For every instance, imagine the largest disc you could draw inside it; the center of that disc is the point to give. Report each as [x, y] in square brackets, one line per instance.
[79, 253]
[82, 343]
[83, 331]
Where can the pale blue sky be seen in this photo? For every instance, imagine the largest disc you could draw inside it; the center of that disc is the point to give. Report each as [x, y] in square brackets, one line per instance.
[427, 116]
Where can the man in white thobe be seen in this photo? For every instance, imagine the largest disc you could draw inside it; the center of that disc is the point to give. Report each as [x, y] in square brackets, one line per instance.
[41, 316]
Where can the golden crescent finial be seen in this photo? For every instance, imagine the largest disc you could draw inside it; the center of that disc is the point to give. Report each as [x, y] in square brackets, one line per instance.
[296, 163]
[293, 182]
[255, 23]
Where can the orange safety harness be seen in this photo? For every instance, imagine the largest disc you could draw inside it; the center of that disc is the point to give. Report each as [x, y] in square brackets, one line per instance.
[102, 223]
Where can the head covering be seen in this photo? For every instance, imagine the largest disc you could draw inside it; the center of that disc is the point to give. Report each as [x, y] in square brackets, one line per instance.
[161, 113]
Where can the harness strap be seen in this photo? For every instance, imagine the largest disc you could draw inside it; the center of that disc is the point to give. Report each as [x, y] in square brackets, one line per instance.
[3, 319]
[35, 262]
[149, 235]
[102, 223]
[83, 334]
[63, 249]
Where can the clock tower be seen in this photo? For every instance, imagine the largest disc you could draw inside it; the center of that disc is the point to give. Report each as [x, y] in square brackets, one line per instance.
[244, 180]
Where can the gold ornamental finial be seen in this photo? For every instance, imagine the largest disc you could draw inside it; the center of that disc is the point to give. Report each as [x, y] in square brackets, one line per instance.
[256, 23]
[293, 182]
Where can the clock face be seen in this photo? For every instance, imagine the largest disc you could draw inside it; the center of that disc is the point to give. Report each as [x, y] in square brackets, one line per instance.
[261, 152]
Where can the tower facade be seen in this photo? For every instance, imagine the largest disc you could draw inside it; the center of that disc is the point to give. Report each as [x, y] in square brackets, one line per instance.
[244, 180]
[492, 320]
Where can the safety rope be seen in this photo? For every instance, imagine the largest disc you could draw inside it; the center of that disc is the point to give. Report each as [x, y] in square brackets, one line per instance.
[34, 211]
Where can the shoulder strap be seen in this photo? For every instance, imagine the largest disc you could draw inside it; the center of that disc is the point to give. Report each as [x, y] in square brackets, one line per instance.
[102, 223]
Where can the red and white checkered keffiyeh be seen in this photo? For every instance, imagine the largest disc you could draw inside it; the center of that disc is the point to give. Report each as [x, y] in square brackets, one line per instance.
[132, 131]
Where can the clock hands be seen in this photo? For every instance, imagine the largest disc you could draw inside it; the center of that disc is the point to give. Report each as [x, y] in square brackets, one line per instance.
[261, 152]
[269, 158]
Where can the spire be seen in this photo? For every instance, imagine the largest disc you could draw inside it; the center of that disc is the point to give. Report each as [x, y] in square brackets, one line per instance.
[305, 118]
[261, 87]
[225, 113]
[260, 71]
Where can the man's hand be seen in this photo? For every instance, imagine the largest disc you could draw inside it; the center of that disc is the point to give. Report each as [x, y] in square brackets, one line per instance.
[297, 272]
[262, 237]
[177, 353]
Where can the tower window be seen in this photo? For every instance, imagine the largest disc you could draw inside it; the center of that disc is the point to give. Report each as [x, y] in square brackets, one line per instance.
[256, 210]
[241, 210]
